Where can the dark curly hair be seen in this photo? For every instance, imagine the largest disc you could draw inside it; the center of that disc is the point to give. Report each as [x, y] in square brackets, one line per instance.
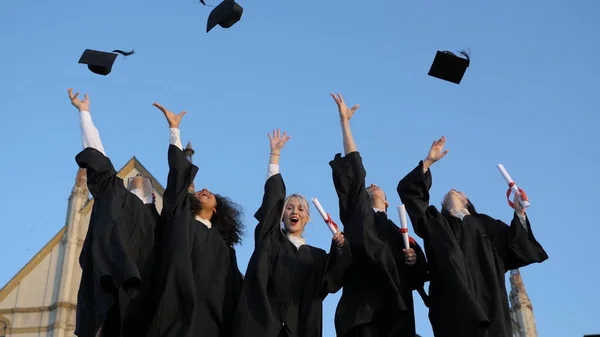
[227, 219]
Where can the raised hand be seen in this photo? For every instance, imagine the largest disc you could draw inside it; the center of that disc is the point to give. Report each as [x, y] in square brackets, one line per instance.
[339, 239]
[437, 152]
[81, 105]
[172, 118]
[345, 112]
[518, 207]
[277, 141]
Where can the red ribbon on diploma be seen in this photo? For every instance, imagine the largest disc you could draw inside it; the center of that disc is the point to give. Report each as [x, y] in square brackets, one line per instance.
[509, 191]
[329, 221]
[410, 239]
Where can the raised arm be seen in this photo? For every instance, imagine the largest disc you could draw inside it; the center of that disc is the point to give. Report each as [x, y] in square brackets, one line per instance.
[89, 133]
[414, 188]
[99, 170]
[345, 116]
[181, 171]
[516, 243]
[269, 213]
[348, 172]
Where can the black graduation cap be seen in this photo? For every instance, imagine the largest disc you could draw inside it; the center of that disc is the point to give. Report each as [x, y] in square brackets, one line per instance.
[100, 62]
[449, 67]
[226, 14]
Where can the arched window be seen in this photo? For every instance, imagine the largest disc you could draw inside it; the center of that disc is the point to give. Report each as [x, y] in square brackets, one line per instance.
[3, 328]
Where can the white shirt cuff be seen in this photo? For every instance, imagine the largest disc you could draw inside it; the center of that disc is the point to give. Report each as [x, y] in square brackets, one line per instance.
[273, 170]
[175, 138]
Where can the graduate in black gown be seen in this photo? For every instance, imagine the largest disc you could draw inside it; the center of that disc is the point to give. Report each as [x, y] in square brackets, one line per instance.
[377, 296]
[469, 254]
[200, 281]
[118, 252]
[286, 279]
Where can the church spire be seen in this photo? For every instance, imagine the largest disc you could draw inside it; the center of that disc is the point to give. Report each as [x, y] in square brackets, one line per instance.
[521, 310]
[189, 152]
[80, 183]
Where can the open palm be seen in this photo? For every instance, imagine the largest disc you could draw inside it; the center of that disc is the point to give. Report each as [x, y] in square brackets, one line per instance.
[172, 118]
[437, 152]
[81, 105]
[345, 112]
[277, 140]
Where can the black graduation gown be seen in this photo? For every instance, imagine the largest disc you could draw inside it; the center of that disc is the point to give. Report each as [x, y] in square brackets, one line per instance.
[468, 260]
[284, 287]
[377, 295]
[200, 279]
[117, 255]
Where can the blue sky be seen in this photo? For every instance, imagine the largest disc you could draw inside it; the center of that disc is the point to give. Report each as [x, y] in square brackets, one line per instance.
[528, 100]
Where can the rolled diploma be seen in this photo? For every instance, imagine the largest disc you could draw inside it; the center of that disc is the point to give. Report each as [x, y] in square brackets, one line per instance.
[324, 215]
[404, 225]
[514, 187]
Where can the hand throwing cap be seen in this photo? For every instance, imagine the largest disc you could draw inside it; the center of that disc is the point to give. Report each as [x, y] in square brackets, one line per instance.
[226, 14]
[449, 67]
[100, 62]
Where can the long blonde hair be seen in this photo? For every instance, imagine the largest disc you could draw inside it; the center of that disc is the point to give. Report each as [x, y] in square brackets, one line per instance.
[304, 203]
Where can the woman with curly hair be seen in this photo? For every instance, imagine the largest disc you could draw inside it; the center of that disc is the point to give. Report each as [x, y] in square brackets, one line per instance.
[199, 277]
[286, 279]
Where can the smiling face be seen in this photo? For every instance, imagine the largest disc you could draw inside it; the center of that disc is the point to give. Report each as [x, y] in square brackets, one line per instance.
[454, 199]
[207, 200]
[296, 214]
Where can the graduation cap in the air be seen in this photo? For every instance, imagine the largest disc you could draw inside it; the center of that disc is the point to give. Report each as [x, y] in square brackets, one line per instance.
[226, 14]
[100, 62]
[449, 67]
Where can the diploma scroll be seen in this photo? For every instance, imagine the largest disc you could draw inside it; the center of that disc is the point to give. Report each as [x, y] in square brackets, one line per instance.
[404, 225]
[512, 187]
[326, 217]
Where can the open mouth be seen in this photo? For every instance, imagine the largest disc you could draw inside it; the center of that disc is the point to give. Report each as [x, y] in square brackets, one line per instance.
[294, 220]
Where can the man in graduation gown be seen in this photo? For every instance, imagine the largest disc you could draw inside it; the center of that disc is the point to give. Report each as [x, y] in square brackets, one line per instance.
[200, 281]
[117, 254]
[469, 254]
[377, 296]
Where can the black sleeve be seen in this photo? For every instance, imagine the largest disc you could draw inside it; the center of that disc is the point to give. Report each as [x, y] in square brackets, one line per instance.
[515, 243]
[419, 272]
[99, 170]
[349, 180]
[339, 261]
[269, 213]
[413, 190]
[181, 176]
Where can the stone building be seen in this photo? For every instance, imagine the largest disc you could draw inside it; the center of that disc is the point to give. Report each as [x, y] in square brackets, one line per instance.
[40, 300]
[521, 310]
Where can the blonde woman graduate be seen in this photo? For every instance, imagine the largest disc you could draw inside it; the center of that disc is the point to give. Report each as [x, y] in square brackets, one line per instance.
[287, 280]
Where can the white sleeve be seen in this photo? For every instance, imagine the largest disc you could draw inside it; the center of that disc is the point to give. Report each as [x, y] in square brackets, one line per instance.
[175, 138]
[522, 217]
[89, 133]
[273, 170]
